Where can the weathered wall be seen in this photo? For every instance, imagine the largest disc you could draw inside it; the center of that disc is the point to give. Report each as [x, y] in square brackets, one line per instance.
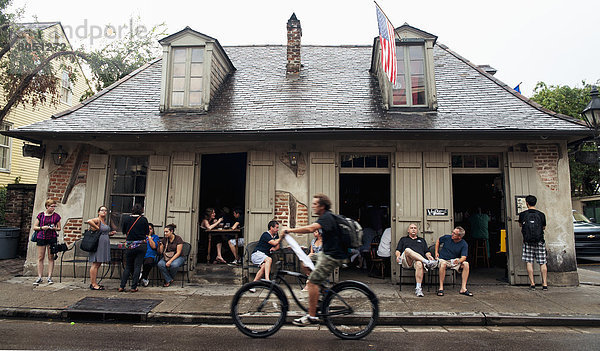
[19, 204]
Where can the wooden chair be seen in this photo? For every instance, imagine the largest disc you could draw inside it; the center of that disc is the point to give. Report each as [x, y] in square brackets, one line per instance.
[79, 256]
[377, 263]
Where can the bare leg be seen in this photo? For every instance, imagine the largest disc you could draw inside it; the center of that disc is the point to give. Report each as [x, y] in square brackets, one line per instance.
[268, 262]
[313, 298]
[94, 273]
[41, 252]
[530, 273]
[219, 257]
[408, 253]
[232, 248]
[544, 271]
[50, 263]
[465, 276]
[442, 268]
[419, 272]
[260, 272]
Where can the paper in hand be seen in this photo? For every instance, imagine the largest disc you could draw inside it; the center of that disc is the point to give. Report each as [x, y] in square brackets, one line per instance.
[299, 252]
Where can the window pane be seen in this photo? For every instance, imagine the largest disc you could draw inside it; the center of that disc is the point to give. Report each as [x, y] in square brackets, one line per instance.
[195, 84]
[178, 84]
[457, 161]
[346, 161]
[196, 70]
[196, 98]
[358, 162]
[371, 161]
[418, 90]
[197, 55]
[179, 55]
[177, 98]
[179, 70]
[3, 140]
[493, 161]
[416, 52]
[469, 161]
[4, 158]
[417, 67]
[481, 161]
[382, 161]
[399, 97]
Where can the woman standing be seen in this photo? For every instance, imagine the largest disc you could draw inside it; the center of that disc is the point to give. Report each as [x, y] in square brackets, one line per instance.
[136, 229]
[151, 256]
[209, 223]
[102, 254]
[47, 224]
[171, 247]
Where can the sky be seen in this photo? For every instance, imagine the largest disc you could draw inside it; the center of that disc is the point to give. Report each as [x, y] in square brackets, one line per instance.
[527, 41]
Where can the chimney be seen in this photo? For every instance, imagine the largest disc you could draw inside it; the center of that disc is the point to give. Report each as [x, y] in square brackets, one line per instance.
[294, 33]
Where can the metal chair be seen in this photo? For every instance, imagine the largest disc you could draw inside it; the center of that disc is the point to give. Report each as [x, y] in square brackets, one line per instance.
[79, 256]
[434, 273]
[247, 264]
[185, 268]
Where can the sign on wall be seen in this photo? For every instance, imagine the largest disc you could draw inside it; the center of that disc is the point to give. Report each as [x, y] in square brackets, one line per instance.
[520, 203]
[437, 211]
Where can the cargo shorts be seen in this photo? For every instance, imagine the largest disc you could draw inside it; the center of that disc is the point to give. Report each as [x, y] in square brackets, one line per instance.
[325, 266]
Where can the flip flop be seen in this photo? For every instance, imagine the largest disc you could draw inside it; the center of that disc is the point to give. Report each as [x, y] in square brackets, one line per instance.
[466, 293]
[440, 293]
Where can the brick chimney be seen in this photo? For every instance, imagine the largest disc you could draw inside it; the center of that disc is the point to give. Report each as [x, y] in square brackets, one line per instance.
[294, 33]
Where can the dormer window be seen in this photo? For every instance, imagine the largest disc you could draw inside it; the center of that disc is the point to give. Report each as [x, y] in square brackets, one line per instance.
[410, 88]
[186, 86]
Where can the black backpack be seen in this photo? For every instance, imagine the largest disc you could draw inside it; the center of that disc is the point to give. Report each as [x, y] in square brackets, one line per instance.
[350, 232]
[532, 229]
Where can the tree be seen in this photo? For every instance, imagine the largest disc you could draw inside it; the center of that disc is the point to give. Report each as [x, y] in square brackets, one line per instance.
[29, 61]
[585, 178]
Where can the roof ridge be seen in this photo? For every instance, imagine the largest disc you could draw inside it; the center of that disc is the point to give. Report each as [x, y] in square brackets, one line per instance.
[106, 90]
[303, 45]
[510, 90]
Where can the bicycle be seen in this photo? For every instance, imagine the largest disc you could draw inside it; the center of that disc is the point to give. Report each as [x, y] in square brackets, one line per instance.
[349, 308]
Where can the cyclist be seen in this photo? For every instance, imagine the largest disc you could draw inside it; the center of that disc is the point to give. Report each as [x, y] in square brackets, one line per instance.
[330, 257]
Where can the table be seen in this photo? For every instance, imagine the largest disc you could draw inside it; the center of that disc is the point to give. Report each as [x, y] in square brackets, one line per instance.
[223, 232]
[117, 256]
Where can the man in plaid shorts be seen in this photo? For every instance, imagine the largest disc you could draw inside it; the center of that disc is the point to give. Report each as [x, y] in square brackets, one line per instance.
[533, 223]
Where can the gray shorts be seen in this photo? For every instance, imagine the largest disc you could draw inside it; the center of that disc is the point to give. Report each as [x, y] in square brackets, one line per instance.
[258, 257]
[325, 266]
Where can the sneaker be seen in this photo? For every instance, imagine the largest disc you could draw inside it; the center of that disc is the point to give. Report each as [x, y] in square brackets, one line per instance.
[419, 292]
[50, 281]
[305, 320]
[145, 282]
[37, 281]
[252, 290]
[532, 287]
[431, 264]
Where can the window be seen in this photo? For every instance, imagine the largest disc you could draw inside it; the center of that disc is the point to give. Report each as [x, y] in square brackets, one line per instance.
[364, 161]
[128, 186]
[65, 88]
[186, 83]
[475, 161]
[410, 88]
[5, 149]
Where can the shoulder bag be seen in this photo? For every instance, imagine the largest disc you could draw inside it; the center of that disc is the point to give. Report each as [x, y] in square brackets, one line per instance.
[34, 236]
[90, 239]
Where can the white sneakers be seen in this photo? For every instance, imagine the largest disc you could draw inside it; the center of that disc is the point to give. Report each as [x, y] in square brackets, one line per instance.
[50, 281]
[431, 264]
[419, 292]
[306, 320]
[37, 281]
[145, 282]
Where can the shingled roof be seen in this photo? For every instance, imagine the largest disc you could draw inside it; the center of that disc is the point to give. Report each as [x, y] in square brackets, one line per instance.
[334, 93]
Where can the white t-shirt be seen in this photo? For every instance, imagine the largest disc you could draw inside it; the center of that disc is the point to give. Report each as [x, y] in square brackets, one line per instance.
[384, 245]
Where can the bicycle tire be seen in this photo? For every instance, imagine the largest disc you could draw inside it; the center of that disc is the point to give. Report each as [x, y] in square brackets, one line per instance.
[259, 314]
[355, 323]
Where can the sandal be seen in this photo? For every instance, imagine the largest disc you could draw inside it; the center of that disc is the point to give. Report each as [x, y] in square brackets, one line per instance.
[134, 290]
[440, 293]
[100, 287]
[466, 293]
[544, 287]
[166, 285]
[220, 260]
[120, 289]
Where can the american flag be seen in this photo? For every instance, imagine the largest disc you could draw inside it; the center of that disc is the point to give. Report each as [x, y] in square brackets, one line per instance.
[387, 41]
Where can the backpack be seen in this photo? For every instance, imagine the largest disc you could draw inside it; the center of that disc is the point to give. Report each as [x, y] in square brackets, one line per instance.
[350, 232]
[532, 227]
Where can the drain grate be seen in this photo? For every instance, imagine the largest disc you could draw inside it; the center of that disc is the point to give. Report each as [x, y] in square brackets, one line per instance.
[110, 308]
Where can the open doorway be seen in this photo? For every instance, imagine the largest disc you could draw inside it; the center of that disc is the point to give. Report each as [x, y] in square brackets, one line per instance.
[479, 203]
[223, 188]
[365, 198]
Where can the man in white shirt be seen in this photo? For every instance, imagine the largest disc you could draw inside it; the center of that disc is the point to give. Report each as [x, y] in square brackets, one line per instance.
[384, 248]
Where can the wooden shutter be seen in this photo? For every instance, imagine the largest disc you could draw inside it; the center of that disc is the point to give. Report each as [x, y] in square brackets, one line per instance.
[521, 182]
[156, 190]
[95, 186]
[260, 193]
[322, 177]
[181, 194]
[437, 193]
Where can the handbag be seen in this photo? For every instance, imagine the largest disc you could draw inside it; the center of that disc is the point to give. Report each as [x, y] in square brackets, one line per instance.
[90, 239]
[130, 245]
[34, 236]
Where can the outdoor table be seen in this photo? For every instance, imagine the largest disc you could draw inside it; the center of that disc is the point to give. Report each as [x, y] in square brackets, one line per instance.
[117, 256]
[223, 232]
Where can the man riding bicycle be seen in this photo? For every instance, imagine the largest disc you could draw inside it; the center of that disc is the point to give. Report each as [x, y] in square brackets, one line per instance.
[330, 257]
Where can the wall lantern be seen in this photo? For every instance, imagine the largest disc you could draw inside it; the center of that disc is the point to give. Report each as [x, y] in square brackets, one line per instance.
[591, 113]
[293, 156]
[59, 156]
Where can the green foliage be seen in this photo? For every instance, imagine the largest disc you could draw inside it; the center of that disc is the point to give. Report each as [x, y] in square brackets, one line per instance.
[571, 101]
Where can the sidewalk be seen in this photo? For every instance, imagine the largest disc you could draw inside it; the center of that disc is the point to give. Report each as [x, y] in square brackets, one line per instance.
[492, 304]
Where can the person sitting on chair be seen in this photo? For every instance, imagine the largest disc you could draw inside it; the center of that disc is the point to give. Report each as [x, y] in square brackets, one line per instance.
[238, 223]
[453, 255]
[171, 247]
[269, 242]
[411, 252]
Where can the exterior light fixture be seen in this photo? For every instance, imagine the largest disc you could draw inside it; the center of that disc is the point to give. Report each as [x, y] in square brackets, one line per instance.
[591, 113]
[59, 156]
[293, 156]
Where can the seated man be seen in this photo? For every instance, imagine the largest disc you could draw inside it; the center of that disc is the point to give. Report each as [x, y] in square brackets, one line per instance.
[238, 223]
[269, 242]
[410, 252]
[384, 248]
[453, 255]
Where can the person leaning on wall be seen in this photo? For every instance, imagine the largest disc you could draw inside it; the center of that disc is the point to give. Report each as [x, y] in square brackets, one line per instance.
[47, 226]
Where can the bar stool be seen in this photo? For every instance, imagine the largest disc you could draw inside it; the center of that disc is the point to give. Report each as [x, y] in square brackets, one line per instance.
[481, 252]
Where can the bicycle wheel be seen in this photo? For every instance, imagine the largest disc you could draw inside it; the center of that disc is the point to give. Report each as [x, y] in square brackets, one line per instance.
[350, 310]
[261, 313]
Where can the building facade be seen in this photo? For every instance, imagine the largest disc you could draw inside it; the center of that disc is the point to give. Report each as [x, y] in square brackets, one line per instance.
[266, 127]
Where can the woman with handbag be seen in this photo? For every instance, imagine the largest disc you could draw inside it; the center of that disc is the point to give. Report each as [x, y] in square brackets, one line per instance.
[136, 228]
[46, 224]
[102, 254]
[171, 247]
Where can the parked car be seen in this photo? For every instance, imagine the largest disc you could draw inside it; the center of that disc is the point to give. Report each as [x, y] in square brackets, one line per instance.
[587, 238]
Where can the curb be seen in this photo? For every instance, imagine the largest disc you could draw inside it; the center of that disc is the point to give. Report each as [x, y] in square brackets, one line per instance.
[32, 313]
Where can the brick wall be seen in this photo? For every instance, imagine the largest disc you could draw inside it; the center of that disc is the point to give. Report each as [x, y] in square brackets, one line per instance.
[545, 157]
[288, 211]
[19, 207]
[294, 33]
[72, 230]
[61, 176]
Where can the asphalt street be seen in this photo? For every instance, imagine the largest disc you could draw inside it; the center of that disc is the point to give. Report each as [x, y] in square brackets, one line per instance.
[49, 335]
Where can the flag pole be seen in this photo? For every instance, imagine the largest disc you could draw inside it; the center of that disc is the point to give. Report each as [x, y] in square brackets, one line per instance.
[386, 17]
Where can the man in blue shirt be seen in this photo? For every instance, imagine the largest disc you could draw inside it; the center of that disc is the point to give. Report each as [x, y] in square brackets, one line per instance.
[453, 255]
[269, 242]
